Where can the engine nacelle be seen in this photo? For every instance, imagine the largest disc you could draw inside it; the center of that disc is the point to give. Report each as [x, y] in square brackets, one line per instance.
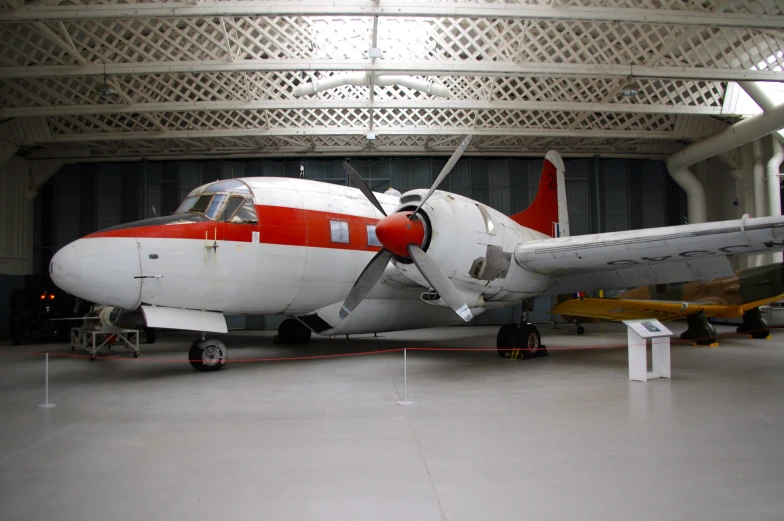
[474, 246]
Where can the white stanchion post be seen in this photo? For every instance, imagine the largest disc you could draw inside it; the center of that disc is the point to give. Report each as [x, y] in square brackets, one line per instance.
[46, 404]
[405, 402]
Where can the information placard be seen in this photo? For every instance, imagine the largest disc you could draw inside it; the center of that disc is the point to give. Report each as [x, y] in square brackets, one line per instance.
[648, 327]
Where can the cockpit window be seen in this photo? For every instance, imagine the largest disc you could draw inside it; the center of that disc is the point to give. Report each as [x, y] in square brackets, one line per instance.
[215, 205]
[229, 185]
[246, 213]
[186, 205]
[231, 207]
[201, 204]
[223, 207]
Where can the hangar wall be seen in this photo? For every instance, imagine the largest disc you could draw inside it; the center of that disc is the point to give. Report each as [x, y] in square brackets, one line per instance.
[16, 218]
[603, 194]
[16, 233]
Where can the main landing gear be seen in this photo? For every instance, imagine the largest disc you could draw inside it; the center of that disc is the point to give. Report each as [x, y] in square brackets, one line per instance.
[292, 331]
[699, 330]
[754, 324]
[207, 354]
[519, 342]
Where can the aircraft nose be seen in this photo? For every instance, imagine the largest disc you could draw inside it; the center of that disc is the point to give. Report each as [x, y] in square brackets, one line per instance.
[101, 270]
[65, 269]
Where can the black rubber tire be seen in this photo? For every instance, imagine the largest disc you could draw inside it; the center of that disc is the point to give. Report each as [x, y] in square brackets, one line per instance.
[529, 341]
[292, 331]
[196, 353]
[580, 330]
[150, 334]
[761, 335]
[504, 340]
[303, 334]
[287, 331]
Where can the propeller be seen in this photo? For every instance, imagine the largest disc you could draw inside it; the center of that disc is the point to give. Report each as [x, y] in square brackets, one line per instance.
[402, 234]
[364, 188]
[445, 171]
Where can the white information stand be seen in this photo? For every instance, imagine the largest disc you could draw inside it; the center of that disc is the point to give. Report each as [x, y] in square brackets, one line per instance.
[639, 331]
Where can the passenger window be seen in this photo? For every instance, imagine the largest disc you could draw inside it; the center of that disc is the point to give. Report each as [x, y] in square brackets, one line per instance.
[231, 207]
[246, 213]
[202, 204]
[371, 233]
[339, 231]
[187, 204]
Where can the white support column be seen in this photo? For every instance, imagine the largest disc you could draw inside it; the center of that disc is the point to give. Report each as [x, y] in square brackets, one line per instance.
[774, 187]
[758, 173]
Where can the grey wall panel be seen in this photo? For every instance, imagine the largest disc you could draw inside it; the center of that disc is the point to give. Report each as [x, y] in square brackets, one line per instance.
[480, 182]
[108, 193]
[232, 169]
[500, 185]
[190, 176]
[275, 168]
[66, 200]
[616, 212]
[653, 189]
[407, 174]
[459, 180]
[8, 283]
[578, 196]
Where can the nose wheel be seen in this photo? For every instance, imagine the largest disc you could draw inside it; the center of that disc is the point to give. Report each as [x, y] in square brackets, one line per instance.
[208, 355]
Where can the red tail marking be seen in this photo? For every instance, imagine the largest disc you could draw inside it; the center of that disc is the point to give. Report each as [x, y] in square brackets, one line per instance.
[543, 211]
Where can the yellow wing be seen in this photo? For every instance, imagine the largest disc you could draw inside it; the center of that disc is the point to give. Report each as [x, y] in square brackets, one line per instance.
[626, 309]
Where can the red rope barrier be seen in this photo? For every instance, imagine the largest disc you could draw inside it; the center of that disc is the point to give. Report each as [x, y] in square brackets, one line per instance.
[364, 353]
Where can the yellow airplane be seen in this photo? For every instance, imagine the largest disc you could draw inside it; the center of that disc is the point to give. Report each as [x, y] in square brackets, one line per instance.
[730, 297]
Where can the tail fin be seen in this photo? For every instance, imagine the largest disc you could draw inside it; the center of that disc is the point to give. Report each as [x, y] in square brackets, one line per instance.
[548, 213]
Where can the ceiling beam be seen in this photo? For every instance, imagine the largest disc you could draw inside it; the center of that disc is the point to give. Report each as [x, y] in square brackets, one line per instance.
[343, 152]
[396, 8]
[327, 104]
[245, 132]
[422, 68]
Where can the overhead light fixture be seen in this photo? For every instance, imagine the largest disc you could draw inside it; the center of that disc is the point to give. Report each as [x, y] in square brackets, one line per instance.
[631, 88]
[105, 90]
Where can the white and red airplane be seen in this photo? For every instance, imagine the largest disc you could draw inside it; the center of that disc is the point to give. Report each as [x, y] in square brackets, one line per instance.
[343, 260]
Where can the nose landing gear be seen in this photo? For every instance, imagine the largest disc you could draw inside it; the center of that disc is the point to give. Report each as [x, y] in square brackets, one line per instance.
[207, 354]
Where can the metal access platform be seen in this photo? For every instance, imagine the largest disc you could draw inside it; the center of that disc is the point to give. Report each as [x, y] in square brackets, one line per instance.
[92, 340]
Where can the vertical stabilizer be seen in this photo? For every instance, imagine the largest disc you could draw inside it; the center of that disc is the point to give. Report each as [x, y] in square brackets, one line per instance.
[548, 213]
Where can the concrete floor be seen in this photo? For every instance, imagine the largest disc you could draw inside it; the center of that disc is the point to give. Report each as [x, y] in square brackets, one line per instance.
[557, 438]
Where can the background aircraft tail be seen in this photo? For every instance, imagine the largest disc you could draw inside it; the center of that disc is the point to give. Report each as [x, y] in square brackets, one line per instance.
[548, 213]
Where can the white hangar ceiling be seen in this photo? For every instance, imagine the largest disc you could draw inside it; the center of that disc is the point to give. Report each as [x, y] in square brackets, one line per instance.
[219, 79]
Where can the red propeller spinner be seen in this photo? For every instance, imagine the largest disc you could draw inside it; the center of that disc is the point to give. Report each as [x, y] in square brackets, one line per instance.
[398, 230]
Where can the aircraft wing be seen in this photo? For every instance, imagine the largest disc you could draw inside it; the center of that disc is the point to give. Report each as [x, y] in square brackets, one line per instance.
[653, 256]
[627, 309]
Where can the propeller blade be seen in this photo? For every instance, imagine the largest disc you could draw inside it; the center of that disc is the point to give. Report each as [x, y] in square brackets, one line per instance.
[367, 279]
[440, 282]
[444, 171]
[363, 187]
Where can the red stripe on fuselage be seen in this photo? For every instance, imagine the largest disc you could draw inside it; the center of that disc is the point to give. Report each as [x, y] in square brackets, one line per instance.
[277, 225]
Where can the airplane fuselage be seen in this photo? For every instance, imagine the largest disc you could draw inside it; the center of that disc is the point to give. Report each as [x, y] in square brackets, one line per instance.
[306, 248]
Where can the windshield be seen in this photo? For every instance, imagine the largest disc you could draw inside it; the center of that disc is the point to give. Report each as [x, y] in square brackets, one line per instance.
[222, 207]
